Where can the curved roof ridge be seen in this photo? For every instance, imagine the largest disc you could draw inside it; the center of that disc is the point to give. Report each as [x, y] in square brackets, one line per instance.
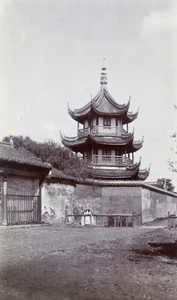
[114, 102]
[97, 99]
[79, 110]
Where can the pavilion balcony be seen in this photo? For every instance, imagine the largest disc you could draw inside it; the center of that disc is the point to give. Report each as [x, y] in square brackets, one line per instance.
[100, 130]
[108, 160]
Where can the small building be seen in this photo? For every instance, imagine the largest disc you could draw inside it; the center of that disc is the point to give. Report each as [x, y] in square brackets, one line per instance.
[21, 177]
[103, 137]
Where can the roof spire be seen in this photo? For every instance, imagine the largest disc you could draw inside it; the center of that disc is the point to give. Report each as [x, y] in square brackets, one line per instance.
[103, 79]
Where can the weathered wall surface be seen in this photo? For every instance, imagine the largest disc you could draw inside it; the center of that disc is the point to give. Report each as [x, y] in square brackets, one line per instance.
[156, 205]
[56, 198]
[121, 199]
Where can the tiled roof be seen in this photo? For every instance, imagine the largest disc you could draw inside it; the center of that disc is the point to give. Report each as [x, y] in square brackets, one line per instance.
[131, 172]
[57, 174]
[114, 173]
[103, 104]
[8, 154]
[126, 183]
[124, 140]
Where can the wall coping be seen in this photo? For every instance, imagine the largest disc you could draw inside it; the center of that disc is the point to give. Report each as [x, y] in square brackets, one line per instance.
[151, 187]
[126, 184]
[64, 179]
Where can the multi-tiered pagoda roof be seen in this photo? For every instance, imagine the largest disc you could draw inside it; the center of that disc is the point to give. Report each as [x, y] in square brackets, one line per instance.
[106, 145]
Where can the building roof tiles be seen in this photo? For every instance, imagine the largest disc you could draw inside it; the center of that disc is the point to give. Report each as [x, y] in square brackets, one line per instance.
[9, 154]
[103, 104]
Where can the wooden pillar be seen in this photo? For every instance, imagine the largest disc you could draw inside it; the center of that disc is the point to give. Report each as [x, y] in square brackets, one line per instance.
[4, 221]
[168, 219]
[133, 219]
[114, 221]
[65, 216]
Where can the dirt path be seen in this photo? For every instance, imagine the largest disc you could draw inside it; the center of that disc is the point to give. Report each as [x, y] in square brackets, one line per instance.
[46, 262]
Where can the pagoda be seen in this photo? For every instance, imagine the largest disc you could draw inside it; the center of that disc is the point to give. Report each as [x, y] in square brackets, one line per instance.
[103, 137]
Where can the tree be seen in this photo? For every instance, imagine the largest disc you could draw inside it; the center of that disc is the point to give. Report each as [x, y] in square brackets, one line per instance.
[165, 184]
[59, 157]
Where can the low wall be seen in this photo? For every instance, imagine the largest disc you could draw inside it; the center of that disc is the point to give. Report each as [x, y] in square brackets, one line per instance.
[127, 197]
[58, 198]
[157, 203]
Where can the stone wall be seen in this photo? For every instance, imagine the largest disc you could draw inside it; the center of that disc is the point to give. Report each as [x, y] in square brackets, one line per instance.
[56, 198]
[121, 199]
[157, 204]
[150, 202]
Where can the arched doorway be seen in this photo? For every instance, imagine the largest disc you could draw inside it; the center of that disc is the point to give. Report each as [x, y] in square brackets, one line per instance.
[87, 218]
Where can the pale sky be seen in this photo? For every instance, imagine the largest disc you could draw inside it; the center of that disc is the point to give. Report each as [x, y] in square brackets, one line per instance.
[51, 53]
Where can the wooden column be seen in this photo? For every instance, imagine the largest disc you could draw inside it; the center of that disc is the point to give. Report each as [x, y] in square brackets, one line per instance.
[4, 221]
[39, 210]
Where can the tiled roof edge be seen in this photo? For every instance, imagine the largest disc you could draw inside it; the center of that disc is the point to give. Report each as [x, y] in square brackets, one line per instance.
[151, 187]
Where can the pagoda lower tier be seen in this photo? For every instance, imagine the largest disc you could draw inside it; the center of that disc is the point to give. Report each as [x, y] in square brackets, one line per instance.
[132, 172]
[124, 141]
[110, 158]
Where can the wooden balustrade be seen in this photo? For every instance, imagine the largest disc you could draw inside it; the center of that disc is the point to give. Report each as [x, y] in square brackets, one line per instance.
[123, 218]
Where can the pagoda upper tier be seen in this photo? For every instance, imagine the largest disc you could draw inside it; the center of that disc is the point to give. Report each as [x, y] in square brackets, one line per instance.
[103, 104]
[104, 139]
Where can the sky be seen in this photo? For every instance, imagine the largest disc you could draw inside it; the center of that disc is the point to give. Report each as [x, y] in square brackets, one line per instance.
[51, 54]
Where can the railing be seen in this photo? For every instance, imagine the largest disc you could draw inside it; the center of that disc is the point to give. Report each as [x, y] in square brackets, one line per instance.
[112, 160]
[172, 220]
[98, 129]
[113, 220]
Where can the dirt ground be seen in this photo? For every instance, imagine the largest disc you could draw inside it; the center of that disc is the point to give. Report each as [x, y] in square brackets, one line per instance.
[65, 263]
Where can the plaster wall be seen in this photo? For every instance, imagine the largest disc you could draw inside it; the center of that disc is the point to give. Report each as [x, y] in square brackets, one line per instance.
[121, 199]
[60, 197]
[56, 198]
[157, 205]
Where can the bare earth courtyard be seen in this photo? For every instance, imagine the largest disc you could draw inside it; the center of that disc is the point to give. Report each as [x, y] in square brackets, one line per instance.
[65, 263]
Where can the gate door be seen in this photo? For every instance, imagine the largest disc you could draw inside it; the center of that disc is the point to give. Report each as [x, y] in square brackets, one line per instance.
[23, 209]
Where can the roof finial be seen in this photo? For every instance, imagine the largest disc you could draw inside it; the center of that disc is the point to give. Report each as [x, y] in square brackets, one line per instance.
[103, 80]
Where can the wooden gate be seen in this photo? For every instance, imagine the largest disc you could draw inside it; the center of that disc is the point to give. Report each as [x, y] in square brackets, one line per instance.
[23, 209]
